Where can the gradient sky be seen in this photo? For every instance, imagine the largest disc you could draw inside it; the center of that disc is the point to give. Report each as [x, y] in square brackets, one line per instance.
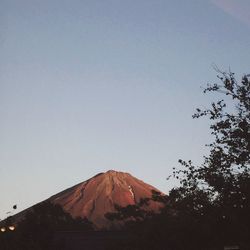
[92, 85]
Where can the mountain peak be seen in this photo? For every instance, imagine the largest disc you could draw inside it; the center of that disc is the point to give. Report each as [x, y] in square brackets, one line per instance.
[99, 195]
[115, 172]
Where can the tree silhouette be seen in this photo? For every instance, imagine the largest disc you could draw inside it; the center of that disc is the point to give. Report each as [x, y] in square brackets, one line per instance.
[220, 187]
[211, 207]
[38, 229]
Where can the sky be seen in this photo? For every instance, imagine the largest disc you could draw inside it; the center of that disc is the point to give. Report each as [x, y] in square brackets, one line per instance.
[92, 85]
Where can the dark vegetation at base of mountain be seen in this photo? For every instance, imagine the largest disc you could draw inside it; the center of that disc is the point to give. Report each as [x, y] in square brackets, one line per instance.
[37, 230]
[180, 227]
[211, 208]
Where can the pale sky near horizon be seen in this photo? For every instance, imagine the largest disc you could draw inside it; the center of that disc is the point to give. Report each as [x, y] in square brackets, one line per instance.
[92, 85]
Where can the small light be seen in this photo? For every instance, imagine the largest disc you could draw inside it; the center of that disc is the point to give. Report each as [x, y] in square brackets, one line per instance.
[11, 228]
[3, 229]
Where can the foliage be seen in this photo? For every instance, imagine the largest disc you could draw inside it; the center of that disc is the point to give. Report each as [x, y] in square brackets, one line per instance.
[38, 230]
[219, 189]
[211, 207]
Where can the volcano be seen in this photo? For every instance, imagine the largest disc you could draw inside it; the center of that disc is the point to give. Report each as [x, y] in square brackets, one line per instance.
[99, 195]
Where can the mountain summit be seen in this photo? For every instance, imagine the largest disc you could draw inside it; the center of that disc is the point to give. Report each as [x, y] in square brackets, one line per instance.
[99, 195]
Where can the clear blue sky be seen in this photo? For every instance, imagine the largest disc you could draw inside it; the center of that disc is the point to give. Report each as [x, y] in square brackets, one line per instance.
[92, 85]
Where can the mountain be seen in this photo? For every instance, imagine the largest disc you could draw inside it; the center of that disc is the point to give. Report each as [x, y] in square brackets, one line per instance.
[99, 195]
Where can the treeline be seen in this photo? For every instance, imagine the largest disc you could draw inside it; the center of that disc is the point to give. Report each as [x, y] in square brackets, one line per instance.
[38, 229]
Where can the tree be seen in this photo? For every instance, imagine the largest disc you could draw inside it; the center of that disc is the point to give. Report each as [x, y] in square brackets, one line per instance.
[220, 187]
[211, 207]
[39, 228]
